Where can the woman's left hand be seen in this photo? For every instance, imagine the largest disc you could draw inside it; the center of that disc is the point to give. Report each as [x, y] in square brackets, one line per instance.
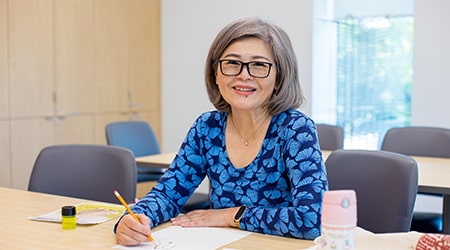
[206, 218]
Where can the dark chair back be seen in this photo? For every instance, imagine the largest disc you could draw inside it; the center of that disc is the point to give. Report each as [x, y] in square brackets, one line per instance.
[331, 137]
[421, 141]
[85, 171]
[418, 141]
[385, 184]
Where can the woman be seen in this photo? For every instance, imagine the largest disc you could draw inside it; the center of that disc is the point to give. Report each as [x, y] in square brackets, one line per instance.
[260, 154]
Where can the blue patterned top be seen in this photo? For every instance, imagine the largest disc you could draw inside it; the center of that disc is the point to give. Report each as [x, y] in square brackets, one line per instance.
[282, 187]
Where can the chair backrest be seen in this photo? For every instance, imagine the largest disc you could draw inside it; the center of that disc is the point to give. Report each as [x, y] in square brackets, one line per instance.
[137, 136]
[331, 137]
[85, 171]
[419, 141]
[385, 184]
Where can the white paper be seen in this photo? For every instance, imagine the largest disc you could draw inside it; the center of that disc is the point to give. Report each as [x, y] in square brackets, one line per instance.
[193, 238]
[87, 213]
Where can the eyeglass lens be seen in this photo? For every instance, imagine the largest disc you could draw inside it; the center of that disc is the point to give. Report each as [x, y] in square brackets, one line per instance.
[255, 68]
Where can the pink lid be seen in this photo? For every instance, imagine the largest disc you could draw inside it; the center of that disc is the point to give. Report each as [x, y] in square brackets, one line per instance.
[339, 208]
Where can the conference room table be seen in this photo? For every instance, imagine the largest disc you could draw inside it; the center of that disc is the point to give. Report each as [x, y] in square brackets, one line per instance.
[17, 231]
[434, 176]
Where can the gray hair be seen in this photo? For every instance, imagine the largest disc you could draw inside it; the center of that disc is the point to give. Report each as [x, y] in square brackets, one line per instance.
[287, 92]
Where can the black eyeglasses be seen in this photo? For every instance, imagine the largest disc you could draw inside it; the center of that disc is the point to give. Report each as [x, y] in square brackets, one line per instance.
[255, 68]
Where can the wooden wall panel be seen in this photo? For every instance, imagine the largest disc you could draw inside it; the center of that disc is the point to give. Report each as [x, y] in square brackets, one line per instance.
[74, 56]
[111, 43]
[31, 57]
[4, 88]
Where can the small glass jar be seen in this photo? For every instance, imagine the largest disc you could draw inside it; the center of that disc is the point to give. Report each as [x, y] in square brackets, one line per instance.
[69, 217]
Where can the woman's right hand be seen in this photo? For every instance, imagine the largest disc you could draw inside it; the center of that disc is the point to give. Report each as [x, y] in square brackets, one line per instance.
[130, 232]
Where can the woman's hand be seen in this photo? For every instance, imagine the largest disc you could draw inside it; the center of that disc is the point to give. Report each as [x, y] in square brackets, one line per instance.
[207, 218]
[131, 232]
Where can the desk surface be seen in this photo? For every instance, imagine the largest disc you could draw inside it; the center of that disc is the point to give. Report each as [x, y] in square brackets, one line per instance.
[158, 160]
[18, 232]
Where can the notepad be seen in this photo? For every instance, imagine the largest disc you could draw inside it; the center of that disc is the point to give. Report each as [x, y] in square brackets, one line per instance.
[193, 238]
[87, 213]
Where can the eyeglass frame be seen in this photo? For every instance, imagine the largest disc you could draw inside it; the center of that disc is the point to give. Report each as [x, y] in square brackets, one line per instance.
[247, 65]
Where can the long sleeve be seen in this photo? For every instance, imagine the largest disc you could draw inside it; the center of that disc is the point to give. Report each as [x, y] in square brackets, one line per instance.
[282, 187]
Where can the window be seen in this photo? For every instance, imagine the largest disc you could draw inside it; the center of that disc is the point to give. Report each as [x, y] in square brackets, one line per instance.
[373, 76]
[367, 87]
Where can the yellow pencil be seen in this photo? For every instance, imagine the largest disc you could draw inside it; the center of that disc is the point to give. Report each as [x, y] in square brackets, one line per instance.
[131, 212]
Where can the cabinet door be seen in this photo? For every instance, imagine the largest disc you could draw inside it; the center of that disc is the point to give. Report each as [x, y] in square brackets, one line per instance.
[31, 58]
[4, 90]
[74, 57]
[76, 129]
[5, 155]
[111, 53]
[29, 136]
[144, 55]
[74, 71]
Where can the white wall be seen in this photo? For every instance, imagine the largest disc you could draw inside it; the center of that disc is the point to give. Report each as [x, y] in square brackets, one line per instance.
[188, 29]
[189, 26]
[431, 82]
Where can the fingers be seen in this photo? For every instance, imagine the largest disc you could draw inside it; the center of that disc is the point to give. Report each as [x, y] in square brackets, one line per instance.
[131, 232]
[198, 218]
[183, 220]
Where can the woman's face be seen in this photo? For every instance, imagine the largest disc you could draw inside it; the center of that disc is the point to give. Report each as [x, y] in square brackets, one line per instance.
[243, 91]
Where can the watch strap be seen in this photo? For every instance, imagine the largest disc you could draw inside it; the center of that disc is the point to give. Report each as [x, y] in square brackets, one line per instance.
[238, 216]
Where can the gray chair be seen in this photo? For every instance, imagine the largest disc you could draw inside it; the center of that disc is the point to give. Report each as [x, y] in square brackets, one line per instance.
[85, 171]
[420, 141]
[331, 137]
[138, 136]
[385, 184]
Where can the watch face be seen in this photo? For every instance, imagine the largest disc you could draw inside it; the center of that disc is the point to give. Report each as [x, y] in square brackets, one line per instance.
[240, 212]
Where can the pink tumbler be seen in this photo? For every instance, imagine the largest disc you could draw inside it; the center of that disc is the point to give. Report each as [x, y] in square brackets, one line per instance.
[338, 220]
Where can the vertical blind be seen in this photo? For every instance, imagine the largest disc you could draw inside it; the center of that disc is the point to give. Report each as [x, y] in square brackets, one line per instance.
[373, 75]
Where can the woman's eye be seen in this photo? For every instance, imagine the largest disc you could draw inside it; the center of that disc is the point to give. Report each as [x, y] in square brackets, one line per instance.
[233, 62]
[260, 64]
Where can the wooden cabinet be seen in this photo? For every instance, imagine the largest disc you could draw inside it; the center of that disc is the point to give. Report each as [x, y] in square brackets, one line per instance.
[4, 87]
[74, 57]
[67, 68]
[5, 154]
[30, 58]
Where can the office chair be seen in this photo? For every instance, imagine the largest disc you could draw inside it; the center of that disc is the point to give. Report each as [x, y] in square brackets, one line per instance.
[85, 171]
[331, 137]
[420, 141]
[385, 184]
[139, 137]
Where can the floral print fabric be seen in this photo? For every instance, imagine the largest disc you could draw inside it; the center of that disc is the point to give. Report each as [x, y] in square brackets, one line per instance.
[282, 187]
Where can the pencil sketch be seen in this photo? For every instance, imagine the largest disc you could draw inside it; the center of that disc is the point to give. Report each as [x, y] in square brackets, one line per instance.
[159, 244]
[166, 243]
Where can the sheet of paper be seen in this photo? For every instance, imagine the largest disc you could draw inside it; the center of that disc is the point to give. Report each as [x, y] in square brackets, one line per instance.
[195, 238]
[87, 213]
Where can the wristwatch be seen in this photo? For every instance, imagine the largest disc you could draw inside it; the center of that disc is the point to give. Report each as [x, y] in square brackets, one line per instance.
[238, 216]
